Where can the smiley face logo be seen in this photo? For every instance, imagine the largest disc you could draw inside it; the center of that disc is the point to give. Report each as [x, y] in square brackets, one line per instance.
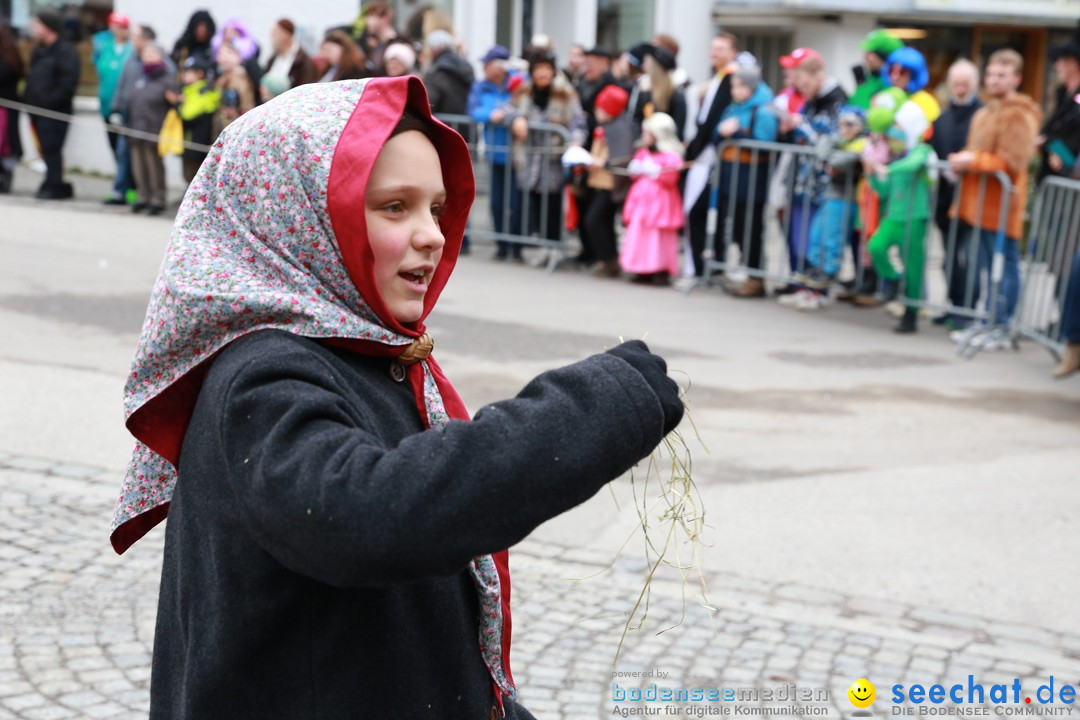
[862, 693]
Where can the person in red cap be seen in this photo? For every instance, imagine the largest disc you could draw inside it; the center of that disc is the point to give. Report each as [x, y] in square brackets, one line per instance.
[612, 146]
[112, 48]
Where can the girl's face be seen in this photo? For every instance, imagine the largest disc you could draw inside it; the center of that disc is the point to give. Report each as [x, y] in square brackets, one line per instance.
[647, 138]
[849, 130]
[402, 207]
[228, 58]
[331, 52]
[542, 75]
[740, 91]
[395, 68]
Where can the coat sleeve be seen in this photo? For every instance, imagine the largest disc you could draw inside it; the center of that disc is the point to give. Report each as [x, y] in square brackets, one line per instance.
[120, 97]
[479, 110]
[328, 500]
[766, 126]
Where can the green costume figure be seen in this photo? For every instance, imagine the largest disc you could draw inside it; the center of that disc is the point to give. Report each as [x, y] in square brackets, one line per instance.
[904, 186]
[877, 47]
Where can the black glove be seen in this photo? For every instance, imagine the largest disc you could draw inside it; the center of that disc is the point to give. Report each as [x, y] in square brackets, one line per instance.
[654, 370]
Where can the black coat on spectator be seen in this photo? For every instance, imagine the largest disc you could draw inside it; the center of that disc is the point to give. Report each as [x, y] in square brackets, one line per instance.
[53, 77]
[1063, 124]
[950, 136]
[448, 82]
[318, 540]
[706, 130]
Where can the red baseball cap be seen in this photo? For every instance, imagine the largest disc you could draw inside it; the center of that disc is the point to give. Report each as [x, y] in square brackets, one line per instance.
[120, 19]
[798, 56]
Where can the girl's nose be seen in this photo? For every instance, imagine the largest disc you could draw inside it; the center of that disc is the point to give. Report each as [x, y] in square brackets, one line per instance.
[429, 235]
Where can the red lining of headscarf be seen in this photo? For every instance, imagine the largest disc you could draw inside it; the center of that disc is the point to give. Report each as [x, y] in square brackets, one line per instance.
[359, 145]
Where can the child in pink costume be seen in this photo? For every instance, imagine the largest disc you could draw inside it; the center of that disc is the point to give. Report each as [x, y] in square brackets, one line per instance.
[653, 213]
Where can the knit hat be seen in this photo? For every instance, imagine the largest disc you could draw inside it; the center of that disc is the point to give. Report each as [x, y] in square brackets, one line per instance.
[852, 114]
[497, 52]
[119, 19]
[750, 76]
[882, 43]
[612, 100]
[50, 19]
[401, 52]
[439, 40]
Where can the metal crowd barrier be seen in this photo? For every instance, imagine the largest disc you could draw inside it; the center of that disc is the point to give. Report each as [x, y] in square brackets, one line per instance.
[526, 218]
[1050, 291]
[958, 251]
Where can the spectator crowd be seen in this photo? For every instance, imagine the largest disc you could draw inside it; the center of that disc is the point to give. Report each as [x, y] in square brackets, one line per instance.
[865, 176]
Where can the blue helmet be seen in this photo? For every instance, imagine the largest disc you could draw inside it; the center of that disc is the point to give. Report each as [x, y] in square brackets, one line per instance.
[913, 61]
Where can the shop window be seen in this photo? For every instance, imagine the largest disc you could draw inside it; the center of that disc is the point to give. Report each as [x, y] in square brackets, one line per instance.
[623, 23]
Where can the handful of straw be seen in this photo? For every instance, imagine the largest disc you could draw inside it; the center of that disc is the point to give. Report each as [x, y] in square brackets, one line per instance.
[671, 520]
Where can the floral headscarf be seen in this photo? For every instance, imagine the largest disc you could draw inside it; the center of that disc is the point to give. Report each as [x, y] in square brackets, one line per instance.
[269, 236]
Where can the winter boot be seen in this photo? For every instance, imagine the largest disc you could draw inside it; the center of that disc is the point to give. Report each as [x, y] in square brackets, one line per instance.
[752, 287]
[908, 322]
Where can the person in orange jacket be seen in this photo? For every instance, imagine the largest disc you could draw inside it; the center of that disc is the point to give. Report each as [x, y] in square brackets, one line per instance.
[1002, 138]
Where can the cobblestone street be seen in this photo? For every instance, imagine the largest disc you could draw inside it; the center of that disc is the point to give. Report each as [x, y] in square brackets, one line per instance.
[877, 507]
[78, 622]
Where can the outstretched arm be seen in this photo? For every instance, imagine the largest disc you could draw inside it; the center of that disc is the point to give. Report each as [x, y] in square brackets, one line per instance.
[325, 497]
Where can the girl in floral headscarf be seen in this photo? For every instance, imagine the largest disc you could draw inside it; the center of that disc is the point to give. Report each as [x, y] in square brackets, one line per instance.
[336, 546]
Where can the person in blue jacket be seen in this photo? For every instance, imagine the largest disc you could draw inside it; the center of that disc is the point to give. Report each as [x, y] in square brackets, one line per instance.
[750, 116]
[486, 98]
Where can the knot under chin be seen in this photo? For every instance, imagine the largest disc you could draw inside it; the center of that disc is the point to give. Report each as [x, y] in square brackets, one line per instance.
[418, 350]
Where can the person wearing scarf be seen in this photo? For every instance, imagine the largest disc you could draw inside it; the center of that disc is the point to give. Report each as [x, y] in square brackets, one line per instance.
[337, 535]
[150, 101]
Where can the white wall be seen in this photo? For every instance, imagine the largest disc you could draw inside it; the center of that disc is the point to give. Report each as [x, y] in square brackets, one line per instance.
[475, 22]
[838, 43]
[690, 22]
[566, 22]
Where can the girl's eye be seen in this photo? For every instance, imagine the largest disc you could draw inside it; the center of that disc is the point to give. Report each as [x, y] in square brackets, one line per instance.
[438, 211]
[394, 207]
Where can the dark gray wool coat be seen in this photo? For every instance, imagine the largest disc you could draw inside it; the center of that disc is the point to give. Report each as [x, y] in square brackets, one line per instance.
[318, 539]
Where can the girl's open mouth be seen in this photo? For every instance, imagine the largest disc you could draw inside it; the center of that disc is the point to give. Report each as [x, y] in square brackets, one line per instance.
[417, 280]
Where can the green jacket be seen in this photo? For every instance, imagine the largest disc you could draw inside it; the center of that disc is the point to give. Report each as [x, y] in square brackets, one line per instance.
[905, 192]
[109, 59]
[197, 99]
[866, 91]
